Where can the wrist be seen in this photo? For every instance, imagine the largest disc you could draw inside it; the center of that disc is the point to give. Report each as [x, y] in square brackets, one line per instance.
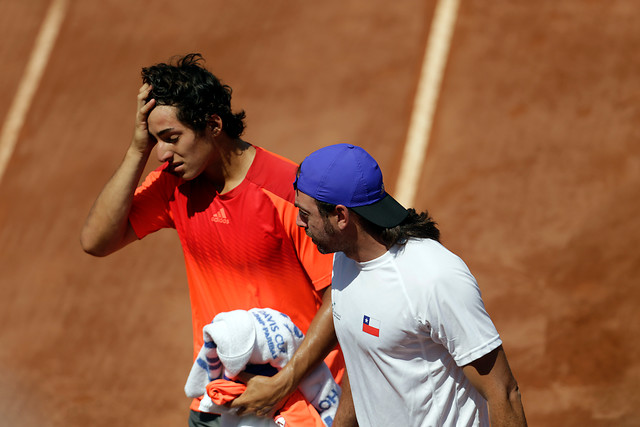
[139, 151]
[285, 380]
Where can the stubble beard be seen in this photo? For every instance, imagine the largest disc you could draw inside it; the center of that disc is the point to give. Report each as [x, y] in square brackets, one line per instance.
[330, 233]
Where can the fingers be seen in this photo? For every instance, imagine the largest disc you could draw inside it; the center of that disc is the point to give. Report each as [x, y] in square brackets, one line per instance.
[246, 403]
[144, 90]
[260, 398]
[238, 404]
[144, 106]
[141, 138]
[266, 411]
[245, 377]
[241, 408]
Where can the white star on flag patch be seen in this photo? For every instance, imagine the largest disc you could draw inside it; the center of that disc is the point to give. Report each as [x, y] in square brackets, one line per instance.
[371, 326]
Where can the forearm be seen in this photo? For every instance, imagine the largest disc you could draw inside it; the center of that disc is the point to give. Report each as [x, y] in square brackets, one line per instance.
[105, 229]
[318, 342]
[508, 412]
[492, 377]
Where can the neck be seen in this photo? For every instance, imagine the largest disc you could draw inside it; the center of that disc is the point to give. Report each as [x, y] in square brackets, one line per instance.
[234, 158]
[365, 248]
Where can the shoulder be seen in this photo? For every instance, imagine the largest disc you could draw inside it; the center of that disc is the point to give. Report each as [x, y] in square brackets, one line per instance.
[273, 173]
[430, 266]
[159, 178]
[429, 252]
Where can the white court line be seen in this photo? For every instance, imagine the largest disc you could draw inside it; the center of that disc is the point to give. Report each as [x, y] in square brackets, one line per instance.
[424, 105]
[30, 81]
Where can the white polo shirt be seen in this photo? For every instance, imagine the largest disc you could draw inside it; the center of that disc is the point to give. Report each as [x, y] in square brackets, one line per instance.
[407, 321]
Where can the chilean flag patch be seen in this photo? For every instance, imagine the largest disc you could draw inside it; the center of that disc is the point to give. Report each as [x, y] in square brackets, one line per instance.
[371, 326]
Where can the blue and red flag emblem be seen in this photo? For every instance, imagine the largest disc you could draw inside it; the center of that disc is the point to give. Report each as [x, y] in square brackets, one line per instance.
[371, 326]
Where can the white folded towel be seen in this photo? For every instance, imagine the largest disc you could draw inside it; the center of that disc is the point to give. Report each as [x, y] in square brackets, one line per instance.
[258, 336]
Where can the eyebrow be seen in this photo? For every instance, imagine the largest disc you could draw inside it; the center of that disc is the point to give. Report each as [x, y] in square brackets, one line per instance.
[165, 131]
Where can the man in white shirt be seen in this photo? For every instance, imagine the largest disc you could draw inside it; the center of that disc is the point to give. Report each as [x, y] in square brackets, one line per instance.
[419, 346]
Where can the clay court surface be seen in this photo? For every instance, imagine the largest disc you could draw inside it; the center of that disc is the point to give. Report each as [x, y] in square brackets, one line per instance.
[532, 171]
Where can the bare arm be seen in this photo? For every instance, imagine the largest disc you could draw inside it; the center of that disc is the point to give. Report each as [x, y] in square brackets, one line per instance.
[107, 227]
[346, 414]
[492, 377]
[264, 393]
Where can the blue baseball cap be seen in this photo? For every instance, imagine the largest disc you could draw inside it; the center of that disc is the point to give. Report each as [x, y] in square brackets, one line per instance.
[345, 174]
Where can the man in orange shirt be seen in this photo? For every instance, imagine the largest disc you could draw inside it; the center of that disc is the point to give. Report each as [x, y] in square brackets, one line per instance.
[230, 202]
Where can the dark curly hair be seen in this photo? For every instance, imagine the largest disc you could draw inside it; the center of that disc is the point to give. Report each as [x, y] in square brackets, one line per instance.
[196, 93]
[416, 225]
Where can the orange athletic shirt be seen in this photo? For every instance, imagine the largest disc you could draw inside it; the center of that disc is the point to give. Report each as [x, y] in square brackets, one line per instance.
[242, 249]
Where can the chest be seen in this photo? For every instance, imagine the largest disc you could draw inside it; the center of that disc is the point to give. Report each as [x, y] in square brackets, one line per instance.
[375, 312]
[229, 228]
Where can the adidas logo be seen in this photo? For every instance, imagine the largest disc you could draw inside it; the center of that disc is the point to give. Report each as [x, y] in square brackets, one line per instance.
[220, 217]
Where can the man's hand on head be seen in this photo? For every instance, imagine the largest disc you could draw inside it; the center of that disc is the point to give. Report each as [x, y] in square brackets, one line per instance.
[142, 140]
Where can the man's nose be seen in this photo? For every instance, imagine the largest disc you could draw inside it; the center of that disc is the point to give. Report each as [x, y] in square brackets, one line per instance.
[163, 152]
[299, 221]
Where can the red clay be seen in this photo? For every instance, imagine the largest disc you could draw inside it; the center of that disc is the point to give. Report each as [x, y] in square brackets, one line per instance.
[532, 173]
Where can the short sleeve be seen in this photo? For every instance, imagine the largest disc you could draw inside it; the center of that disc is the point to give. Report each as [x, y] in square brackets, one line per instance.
[150, 211]
[457, 316]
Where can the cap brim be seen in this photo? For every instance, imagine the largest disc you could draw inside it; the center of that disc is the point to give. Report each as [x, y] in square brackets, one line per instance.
[386, 213]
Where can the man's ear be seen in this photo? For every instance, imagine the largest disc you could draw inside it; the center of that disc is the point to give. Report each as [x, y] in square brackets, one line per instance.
[214, 124]
[342, 216]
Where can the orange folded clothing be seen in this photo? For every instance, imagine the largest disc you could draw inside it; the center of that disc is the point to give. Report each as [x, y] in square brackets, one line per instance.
[224, 391]
[296, 412]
